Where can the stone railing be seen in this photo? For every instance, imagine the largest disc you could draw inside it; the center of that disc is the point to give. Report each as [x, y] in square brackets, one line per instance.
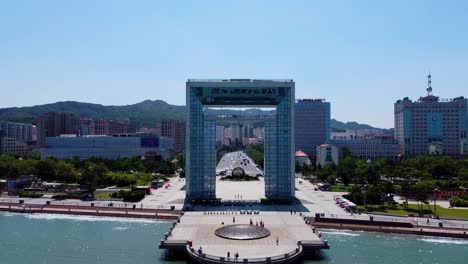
[206, 258]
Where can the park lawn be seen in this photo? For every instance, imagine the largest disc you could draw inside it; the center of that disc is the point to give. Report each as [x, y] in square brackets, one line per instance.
[413, 209]
[103, 196]
[341, 188]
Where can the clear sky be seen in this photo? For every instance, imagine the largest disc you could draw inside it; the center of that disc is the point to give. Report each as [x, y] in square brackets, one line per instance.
[360, 55]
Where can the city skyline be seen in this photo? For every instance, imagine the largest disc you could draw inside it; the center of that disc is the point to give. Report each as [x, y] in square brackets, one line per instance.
[360, 56]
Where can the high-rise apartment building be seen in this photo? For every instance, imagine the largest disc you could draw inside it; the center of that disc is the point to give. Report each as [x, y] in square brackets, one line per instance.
[235, 134]
[53, 124]
[87, 127]
[173, 129]
[9, 145]
[259, 132]
[19, 131]
[247, 130]
[312, 124]
[432, 125]
[220, 131]
[108, 127]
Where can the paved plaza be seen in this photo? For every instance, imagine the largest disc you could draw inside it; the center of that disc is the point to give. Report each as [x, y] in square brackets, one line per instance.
[200, 229]
[240, 190]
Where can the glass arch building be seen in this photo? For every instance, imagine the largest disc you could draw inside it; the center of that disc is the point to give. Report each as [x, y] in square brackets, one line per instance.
[201, 132]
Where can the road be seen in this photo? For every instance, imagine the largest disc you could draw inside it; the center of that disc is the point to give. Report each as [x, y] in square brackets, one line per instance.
[236, 159]
[323, 202]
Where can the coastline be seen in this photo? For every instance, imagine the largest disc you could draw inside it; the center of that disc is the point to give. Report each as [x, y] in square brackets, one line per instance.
[167, 215]
[419, 231]
[149, 214]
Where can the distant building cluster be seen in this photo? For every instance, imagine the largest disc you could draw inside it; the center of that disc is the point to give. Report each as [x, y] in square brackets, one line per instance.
[65, 135]
[239, 134]
[429, 125]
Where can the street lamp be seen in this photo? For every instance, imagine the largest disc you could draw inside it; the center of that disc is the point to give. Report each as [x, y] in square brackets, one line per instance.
[435, 208]
[364, 191]
[369, 164]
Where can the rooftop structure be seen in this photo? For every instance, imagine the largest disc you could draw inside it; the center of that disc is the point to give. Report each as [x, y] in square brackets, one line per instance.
[302, 158]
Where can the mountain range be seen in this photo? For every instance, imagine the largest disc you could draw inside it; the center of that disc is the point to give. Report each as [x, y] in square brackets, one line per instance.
[143, 114]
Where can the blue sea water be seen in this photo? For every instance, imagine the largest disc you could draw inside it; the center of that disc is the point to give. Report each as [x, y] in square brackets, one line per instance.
[54, 239]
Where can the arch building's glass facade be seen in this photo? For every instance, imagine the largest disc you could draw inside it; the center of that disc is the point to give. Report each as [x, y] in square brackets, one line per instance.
[279, 132]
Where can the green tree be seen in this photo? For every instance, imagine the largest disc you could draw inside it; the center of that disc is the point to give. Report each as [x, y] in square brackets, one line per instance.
[406, 190]
[65, 172]
[355, 195]
[180, 161]
[463, 173]
[361, 171]
[346, 168]
[92, 175]
[327, 173]
[421, 193]
[45, 169]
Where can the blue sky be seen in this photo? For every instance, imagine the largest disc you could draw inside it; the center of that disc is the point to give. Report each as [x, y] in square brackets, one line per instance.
[360, 55]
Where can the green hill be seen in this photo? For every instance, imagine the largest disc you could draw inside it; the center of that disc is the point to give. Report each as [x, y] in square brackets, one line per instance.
[143, 114]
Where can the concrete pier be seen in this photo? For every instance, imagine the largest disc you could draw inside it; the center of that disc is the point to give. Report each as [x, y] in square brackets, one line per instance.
[290, 238]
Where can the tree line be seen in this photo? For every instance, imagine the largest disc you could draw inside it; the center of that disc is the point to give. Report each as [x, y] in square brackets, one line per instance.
[90, 174]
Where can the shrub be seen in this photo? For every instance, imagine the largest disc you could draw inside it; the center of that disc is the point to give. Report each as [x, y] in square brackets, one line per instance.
[30, 195]
[275, 201]
[240, 178]
[80, 196]
[132, 196]
[215, 201]
[456, 201]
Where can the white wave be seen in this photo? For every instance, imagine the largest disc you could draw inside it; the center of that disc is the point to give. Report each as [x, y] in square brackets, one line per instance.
[7, 214]
[120, 228]
[339, 233]
[88, 218]
[444, 241]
